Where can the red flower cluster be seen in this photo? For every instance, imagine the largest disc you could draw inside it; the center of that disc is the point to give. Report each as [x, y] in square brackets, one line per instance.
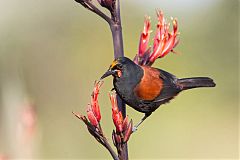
[123, 127]
[93, 109]
[164, 41]
[92, 121]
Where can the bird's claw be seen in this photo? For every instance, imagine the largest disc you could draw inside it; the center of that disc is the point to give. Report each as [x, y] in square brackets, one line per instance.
[134, 129]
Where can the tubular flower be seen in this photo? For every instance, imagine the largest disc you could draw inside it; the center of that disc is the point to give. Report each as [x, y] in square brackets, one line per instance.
[143, 49]
[93, 109]
[116, 114]
[164, 41]
[91, 116]
[94, 101]
[144, 37]
[123, 126]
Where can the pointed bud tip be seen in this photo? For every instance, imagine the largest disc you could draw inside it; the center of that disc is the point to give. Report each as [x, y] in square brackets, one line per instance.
[128, 131]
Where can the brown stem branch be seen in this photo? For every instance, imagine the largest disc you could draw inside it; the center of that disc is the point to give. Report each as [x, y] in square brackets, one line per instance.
[98, 12]
[117, 36]
[116, 29]
[109, 148]
[88, 4]
[97, 133]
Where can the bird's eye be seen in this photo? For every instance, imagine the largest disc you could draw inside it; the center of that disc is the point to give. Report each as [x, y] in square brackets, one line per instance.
[120, 66]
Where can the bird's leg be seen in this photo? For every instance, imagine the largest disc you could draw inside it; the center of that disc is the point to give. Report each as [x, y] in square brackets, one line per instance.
[134, 129]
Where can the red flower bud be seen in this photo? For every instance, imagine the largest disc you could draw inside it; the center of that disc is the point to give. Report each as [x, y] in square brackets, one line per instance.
[93, 120]
[125, 123]
[118, 121]
[118, 139]
[116, 114]
[113, 100]
[128, 132]
[175, 25]
[96, 90]
[144, 37]
[94, 102]
[96, 110]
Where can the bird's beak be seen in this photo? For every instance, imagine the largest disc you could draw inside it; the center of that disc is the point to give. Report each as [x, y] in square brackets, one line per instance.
[108, 73]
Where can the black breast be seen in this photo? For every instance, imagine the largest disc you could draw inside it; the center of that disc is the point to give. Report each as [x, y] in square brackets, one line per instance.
[124, 85]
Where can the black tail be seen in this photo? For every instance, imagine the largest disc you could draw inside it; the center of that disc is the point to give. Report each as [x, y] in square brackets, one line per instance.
[195, 82]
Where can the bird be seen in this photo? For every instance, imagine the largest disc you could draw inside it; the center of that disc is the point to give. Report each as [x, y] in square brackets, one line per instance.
[145, 88]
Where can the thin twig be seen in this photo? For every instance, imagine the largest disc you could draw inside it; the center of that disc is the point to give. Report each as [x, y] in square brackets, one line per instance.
[98, 12]
[90, 6]
[109, 148]
[98, 135]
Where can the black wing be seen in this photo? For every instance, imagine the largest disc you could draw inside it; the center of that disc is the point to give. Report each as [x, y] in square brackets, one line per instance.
[170, 88]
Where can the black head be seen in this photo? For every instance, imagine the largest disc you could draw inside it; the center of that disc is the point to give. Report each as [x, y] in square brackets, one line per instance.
[119, 67]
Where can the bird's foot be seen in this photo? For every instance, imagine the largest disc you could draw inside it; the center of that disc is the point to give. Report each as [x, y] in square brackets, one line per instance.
[134, 129]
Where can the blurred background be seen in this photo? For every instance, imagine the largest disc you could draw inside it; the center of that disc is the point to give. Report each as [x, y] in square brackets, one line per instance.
[52, 52]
